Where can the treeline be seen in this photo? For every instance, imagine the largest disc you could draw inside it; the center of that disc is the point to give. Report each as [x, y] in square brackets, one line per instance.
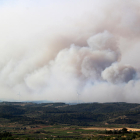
[6, 136]
[80, 114]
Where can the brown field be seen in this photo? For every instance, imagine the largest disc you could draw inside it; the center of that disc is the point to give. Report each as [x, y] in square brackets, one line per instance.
[106, 128]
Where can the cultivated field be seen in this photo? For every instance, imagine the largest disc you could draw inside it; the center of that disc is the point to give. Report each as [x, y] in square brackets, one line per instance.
[106, 128]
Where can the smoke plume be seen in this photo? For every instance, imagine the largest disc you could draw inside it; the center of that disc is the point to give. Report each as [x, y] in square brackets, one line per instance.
[52, 50]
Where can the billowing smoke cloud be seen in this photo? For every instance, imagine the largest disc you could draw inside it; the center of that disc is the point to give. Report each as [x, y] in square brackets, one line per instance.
[119, 73]
[52, 50]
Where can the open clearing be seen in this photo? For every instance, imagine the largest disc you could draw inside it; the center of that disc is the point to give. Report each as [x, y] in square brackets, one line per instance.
[106, 128]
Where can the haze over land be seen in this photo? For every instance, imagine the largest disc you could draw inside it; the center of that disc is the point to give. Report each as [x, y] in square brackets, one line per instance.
[52, 50]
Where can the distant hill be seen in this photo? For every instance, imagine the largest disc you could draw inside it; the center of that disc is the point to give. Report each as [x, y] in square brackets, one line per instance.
[62, 113]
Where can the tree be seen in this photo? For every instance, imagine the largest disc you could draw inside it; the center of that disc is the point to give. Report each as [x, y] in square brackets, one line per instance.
[124, 130]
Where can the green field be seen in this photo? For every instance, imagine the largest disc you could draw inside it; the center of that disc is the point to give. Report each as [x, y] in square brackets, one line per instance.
[63, 121]
[61, 132]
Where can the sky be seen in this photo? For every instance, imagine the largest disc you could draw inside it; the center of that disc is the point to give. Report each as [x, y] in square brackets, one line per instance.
[70, 50]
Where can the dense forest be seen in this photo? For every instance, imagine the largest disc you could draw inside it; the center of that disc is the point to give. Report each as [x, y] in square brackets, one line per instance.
[85, 114]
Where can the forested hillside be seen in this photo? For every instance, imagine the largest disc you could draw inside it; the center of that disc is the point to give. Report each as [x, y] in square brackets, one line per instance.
[85, 114]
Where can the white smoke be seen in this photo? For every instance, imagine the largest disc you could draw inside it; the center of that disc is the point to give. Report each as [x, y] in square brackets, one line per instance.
[50, 50]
